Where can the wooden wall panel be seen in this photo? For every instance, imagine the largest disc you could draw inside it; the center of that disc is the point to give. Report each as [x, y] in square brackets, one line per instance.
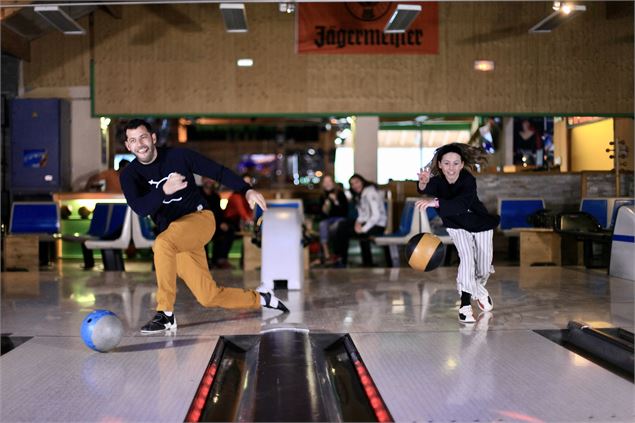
[58, 60]
[178, 60]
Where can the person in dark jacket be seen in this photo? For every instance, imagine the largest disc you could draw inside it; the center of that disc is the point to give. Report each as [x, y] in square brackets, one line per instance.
[224, 235]
[452, 190]
[334, 210]
[160, 183]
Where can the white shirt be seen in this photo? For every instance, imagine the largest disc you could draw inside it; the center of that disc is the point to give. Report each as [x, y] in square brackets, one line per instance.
[371, 210]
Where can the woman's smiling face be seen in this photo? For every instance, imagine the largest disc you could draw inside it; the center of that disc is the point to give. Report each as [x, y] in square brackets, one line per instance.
[451, 165]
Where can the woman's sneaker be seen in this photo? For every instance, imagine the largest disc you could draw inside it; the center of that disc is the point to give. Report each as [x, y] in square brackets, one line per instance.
[465, 314]
[160, 323]
[485, 303]
[268, 300]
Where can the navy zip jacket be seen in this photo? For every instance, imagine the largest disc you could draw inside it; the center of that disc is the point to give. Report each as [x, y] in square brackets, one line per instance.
[459, 205]
[142, 184]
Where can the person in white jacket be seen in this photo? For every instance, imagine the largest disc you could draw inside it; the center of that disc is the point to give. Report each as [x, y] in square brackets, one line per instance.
[371, 219]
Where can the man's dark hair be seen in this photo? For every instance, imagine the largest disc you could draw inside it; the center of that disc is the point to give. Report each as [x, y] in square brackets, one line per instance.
[135, 123]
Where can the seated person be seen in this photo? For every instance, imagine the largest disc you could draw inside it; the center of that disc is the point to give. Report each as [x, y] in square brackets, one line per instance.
[224, 234]
[238, 214]
[371, 220]
[106, 180]
[334, 210]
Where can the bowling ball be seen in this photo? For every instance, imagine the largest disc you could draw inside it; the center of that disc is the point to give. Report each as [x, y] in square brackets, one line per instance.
[425, 252]
[65, 212]
[84, 212]
[102, 330]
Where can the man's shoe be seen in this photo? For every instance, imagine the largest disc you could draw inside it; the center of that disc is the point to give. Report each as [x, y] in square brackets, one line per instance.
[465, 314]
[269, 300]
[485, 303]
[159, 323]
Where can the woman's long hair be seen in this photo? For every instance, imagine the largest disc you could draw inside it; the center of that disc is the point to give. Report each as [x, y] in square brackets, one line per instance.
[365, 183]
[470, 156]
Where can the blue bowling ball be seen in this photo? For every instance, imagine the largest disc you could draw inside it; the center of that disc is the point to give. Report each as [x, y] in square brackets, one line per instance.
[102, 330]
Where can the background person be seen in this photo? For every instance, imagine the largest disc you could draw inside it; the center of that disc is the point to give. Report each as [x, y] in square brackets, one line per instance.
[371, 220]
[334, 210]
[224, 235]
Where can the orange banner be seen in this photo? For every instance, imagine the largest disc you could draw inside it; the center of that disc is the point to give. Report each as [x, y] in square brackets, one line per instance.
[358, 27]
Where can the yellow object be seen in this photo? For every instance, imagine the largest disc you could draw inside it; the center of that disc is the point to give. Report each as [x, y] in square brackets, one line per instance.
[424, 251]
[180, 250]
[588, 146]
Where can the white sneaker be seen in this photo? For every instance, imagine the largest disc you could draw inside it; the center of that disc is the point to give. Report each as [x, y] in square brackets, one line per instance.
[465, 314]
[485, 303]
[269, 300]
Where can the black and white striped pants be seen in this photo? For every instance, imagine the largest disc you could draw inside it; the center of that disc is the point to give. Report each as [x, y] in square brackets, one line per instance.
[475, 256]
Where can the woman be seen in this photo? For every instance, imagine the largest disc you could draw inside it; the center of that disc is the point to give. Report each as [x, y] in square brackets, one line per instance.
[335, 209]
[371, 219]
[471, 227]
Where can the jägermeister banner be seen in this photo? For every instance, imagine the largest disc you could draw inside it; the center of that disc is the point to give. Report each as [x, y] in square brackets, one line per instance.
[358, 27]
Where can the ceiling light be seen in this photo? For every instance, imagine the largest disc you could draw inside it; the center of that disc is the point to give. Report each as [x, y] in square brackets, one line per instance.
[564, 12]
[484, 65]
[401, 19]
[245, 63]
[234, 17]
[286, 7]
[59, 19]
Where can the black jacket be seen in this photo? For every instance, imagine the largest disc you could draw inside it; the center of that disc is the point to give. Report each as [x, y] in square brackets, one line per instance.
[336, 210]
[459, 205]
[142, 184]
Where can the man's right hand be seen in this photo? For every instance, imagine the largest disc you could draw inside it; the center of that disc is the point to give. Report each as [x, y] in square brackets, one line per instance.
[175, 182]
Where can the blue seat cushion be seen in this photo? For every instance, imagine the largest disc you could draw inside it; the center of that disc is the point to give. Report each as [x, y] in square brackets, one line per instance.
[596, 207]
[514, 213]
[34, 218]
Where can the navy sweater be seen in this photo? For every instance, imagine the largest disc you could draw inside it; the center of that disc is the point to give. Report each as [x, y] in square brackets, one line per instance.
[459, 205]
[142, 184]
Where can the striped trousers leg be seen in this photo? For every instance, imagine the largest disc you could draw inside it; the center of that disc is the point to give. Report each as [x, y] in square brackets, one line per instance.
[475, 260]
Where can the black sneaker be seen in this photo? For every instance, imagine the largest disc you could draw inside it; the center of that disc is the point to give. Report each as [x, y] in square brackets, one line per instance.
[271, 301]
[160, 323]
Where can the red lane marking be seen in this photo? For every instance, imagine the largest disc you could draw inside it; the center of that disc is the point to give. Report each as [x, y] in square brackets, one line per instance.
[381, 412]
[201, 394]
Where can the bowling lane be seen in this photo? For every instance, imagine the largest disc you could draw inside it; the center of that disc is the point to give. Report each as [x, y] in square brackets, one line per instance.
[144, 379]
[476, 375]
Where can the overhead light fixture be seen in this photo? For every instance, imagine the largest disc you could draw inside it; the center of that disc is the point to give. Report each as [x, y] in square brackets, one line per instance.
[286, 7]
[234, 17]
[484, 65]
[245, 63]
[59, 19]
[401, 19]
[562, 12]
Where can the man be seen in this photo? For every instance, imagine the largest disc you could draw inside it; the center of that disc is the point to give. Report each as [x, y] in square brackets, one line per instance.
[160, 183]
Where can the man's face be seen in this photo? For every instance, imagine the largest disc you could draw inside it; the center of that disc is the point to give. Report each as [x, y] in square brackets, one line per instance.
[141, 143]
